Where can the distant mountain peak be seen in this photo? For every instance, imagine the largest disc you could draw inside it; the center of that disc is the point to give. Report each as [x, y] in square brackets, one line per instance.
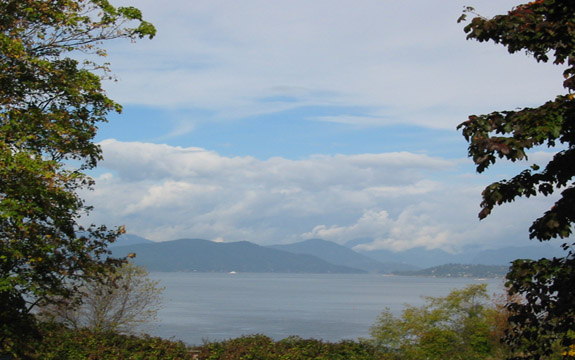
[358, 241]
[339, 254]
[242, 256]
[130, 239]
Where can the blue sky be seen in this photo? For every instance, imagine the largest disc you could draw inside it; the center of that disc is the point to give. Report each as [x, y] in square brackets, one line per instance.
[277, 121]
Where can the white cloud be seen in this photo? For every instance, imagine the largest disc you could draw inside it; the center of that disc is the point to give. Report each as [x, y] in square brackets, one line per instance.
[410, 229]
[164, 193]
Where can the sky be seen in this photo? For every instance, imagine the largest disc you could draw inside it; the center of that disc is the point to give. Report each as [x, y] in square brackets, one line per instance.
[279, 121]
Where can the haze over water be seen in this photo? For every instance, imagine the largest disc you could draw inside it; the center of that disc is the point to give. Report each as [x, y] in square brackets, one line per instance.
[332, 307]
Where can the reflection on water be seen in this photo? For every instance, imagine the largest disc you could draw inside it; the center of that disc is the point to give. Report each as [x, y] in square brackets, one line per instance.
[217, 306]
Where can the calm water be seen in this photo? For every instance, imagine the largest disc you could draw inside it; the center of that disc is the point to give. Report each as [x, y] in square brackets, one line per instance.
[215, 306]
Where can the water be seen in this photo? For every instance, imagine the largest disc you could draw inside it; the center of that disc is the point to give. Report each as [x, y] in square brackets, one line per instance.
[332, 307]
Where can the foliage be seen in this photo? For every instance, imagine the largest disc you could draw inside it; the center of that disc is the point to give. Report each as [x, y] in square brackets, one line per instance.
[458, 326]
[51, 102]
[543, 325]
[59, 342]
[544, 29]
[124, 298]
[261, 347]
[63, 343]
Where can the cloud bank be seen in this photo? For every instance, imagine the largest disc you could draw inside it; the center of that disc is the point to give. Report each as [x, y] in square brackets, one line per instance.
[164, 193]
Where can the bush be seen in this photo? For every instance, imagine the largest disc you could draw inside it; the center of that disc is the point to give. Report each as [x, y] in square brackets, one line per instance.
[458, 326]
[260, 347]
[60, 343]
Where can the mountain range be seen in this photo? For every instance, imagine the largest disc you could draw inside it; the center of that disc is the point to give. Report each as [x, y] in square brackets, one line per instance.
[424, 258]
[208, 256]
[337, 254]
[309, 256]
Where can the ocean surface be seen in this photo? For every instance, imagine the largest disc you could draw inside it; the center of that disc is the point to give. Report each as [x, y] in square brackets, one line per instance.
[202, 307]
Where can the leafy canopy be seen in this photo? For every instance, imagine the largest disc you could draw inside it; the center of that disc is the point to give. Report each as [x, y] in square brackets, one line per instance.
[544, 29]
[51, 102]
[457, 326]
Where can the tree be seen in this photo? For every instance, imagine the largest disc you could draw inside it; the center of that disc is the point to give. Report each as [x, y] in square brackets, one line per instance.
[544, 29]
[119, 302]
[458, 326]
[51, 102]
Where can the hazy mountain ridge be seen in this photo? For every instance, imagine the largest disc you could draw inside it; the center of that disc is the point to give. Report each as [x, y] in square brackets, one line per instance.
[130, 239]
[424, 258]
[338, 254]
[317, 256]
[207, 256]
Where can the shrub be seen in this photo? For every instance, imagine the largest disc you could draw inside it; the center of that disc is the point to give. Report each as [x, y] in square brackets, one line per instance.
[60, 343]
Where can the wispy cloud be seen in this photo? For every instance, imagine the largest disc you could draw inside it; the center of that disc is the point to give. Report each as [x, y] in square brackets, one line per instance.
[409, 59]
